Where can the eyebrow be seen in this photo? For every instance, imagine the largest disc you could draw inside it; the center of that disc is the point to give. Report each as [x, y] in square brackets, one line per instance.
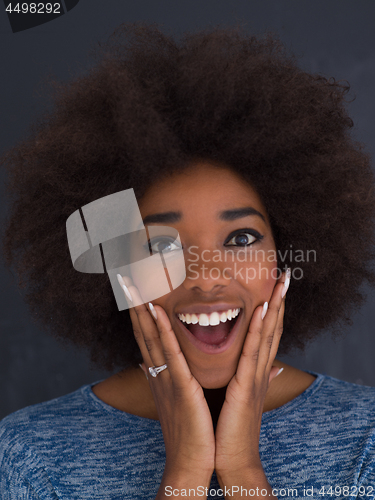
[226, 215]
[164, 217]
[238, 213]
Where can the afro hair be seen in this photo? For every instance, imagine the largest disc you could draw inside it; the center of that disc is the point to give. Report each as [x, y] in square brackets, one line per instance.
[147, 108]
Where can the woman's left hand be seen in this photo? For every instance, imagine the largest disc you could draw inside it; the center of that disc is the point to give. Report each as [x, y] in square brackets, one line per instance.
[238, 428]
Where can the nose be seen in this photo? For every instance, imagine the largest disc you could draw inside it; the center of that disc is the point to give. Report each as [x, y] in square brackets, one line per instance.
[205, 274]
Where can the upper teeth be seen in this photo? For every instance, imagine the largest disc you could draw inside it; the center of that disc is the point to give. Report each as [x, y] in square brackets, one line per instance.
[209, 319]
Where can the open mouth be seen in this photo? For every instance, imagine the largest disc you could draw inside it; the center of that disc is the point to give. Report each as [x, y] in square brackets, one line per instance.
[215, 335]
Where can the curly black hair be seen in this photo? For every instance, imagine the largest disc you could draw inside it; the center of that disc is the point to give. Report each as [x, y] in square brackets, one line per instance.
[149, 107]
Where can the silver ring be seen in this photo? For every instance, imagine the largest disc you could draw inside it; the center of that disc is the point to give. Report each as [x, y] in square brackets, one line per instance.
[155, 370]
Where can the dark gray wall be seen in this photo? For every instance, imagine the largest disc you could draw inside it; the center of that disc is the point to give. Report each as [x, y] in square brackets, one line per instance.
[335, 38]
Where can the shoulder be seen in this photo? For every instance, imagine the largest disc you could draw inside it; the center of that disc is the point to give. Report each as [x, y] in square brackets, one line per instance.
[24, 428]
[35, 438]
[44, 426]
[65, 425]
[22, 468]
[341, 409]
[57, 446]
[37, 418]
[346, 395]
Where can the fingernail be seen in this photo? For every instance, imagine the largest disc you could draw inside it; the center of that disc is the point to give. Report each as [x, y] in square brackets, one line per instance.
[286, 282]
[127, 293]
[278, 373]
[126, 290]
[265, 307]
[152, 309]
[120, 280]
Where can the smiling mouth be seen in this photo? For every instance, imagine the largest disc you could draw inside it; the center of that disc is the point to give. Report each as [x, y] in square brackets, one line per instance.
[212, 335]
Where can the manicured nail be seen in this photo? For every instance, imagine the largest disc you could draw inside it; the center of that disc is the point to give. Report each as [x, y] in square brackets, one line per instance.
[265, 307]
[286, 282]
[152, 309]
[126, 290]
[127, 293]
[278, 373]
[120, 280]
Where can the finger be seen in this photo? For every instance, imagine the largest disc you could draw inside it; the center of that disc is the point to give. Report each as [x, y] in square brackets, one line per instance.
[285, 279]
[256, 352]
[150, 332]
[286, 282]
[277, 335]
[149, 328]
[275, 370]
[133, 299]
[271, 326]
[248, 361]
[147, 334]
[174, 357]
[164, 338]
[139, 337]
[126, 283]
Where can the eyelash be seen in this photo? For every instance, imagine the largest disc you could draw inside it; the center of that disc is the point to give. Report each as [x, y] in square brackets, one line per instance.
[251, 232]
[157, 240]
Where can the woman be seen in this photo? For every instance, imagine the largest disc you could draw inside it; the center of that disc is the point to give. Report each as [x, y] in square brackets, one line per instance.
[224, 139]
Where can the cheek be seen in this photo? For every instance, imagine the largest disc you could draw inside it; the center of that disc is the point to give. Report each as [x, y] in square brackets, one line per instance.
[149, 278]
[259, 277]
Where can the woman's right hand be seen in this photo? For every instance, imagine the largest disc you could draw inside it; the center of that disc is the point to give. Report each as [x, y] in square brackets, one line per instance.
[183, 412]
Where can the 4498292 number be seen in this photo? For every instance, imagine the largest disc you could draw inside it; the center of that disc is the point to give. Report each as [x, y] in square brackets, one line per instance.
[34, 8]
[361, 491]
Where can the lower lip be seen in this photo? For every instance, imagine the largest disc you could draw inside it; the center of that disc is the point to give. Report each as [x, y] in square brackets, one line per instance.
[213, 349]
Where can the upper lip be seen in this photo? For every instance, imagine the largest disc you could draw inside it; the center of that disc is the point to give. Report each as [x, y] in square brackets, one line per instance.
[207, 308]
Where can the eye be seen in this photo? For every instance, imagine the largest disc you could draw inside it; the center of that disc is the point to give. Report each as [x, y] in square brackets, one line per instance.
[243, 238]
[166, 245]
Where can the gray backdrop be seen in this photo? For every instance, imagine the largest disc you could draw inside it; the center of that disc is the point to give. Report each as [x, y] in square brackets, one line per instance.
[335, 38]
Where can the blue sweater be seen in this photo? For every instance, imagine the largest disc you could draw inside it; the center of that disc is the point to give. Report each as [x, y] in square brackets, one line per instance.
[78, 447]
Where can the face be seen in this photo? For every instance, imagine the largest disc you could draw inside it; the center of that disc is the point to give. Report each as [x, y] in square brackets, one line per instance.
[228, 248]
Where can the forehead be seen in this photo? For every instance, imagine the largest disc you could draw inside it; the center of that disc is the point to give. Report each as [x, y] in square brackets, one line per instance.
[201, 187]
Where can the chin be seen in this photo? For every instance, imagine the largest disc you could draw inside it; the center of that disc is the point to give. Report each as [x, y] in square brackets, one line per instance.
[216, 379]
